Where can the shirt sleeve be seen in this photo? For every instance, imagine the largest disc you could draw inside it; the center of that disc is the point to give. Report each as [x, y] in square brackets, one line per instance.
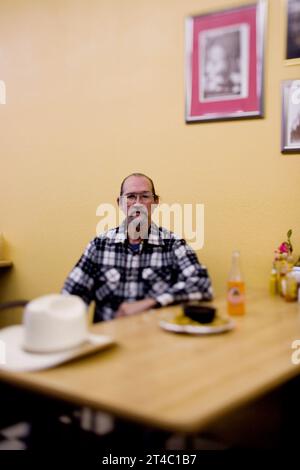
[81, 280]
[192, 279]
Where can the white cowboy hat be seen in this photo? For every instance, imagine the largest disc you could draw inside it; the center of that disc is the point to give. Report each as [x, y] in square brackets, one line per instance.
[54, 331]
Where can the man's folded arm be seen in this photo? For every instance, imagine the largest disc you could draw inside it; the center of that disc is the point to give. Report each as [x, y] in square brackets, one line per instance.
[192, 283]
[80, 281]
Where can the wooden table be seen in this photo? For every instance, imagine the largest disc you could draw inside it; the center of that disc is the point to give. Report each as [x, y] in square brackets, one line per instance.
[178, 382]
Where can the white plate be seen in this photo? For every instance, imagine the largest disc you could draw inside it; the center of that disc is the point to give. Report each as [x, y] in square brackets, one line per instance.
[198, 329]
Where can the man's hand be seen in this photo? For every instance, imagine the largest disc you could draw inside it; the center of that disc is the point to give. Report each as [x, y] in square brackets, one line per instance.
[131, 308]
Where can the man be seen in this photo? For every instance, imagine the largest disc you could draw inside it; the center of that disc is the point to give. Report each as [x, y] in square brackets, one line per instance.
[138, 265]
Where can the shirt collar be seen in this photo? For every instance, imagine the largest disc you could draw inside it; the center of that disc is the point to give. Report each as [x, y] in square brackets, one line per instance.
[154, 238]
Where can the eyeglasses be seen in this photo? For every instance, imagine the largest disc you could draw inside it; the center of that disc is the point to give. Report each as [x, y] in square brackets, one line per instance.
[143, 197]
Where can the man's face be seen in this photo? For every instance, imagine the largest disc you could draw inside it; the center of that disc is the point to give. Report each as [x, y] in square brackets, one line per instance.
[137, 199]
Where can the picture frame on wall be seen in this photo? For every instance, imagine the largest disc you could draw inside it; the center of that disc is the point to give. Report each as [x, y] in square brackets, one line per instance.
[224, 62]
[292, 31]
[290, 122]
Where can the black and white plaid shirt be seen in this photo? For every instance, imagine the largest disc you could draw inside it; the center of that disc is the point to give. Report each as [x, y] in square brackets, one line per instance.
[164, 268]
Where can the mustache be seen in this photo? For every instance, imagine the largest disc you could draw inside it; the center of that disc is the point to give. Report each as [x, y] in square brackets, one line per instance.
[137, 221]
[137, 210]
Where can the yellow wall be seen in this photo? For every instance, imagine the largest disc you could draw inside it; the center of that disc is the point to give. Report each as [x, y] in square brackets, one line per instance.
[95, 90]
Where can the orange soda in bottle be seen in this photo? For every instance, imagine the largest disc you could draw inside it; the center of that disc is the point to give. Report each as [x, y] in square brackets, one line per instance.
[235, 287]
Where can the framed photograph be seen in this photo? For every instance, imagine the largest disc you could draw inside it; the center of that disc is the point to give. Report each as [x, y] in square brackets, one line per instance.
[290, 125]
[224, 64]
[293, 30]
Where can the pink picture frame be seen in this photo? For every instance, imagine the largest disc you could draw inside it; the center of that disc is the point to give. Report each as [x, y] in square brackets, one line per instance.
[224, 64]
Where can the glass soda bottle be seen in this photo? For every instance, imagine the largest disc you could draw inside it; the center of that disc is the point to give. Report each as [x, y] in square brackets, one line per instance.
[235, 287]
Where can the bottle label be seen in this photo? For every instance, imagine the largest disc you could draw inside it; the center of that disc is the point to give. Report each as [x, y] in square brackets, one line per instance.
[235, 295]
